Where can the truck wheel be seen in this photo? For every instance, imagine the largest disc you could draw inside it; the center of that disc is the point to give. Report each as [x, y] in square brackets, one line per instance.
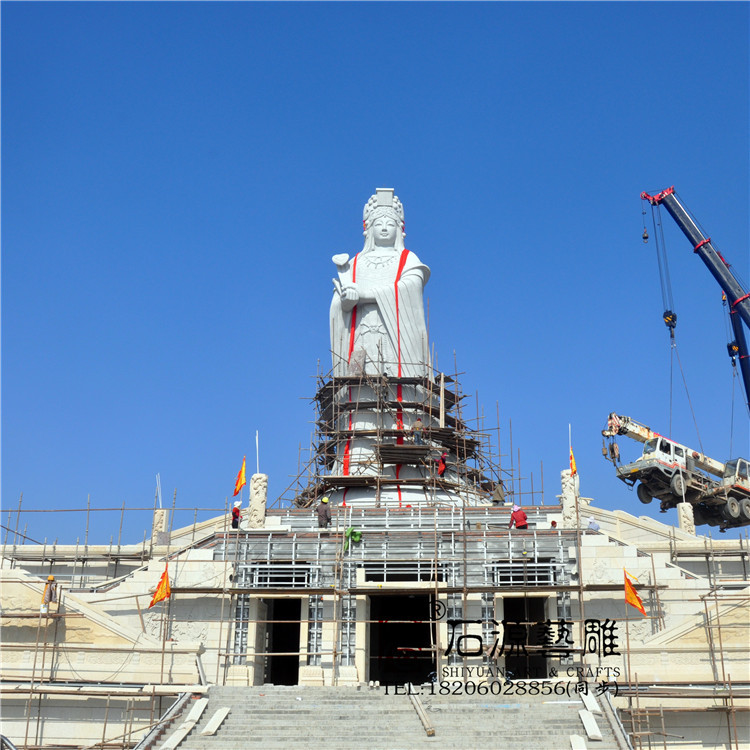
[731, 509]
[679, 487]
[745, 508]
[643, 494]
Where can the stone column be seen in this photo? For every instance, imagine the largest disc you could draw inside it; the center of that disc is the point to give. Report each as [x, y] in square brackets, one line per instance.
[569, 498]
[256, 518]
[687, 519]
[159, 532]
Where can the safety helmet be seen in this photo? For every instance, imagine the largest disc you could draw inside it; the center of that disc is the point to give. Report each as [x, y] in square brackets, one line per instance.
[324, 500]
[50, 578]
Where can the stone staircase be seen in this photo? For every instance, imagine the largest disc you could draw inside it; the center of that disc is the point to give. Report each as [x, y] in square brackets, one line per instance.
[349, 718]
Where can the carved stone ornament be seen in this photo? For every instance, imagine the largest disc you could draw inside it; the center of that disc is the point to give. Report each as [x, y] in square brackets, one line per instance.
[569, 498]
[258, 496]
[686, 517]
[383, 203]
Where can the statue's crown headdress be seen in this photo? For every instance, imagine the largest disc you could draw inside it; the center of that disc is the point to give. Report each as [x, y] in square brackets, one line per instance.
[383, 203]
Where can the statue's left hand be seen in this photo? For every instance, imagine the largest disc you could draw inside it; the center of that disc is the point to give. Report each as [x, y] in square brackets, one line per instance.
[349, 297]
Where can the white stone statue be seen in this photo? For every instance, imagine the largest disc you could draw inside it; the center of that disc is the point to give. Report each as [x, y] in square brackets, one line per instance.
[377, 311]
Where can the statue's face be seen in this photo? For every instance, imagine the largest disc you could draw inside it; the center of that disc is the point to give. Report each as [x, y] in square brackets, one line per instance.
[384, 231]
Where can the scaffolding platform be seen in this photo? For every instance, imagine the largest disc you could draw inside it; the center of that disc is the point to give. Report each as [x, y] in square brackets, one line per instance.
[367, 480]
[392, 453]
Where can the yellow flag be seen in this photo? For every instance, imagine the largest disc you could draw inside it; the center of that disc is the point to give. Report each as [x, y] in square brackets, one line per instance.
[163, 590]
[631, 595]
[240, 483]
[573, 470]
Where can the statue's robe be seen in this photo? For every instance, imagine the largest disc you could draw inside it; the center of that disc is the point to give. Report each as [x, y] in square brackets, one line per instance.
[389, 334]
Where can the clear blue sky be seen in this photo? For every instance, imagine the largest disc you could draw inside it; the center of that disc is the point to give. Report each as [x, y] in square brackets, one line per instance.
[176, 177]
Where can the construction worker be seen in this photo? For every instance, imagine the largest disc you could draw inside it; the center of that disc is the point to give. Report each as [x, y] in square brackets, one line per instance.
[324, 514]
[416, 431]
[442, 463]
[498, 495]
[49, 594]
[236, 514]
[518, 517]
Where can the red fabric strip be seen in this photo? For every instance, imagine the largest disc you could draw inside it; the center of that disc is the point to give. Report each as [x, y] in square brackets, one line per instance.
[399, 393]
[398, 486]
[401, 264]
[399, 417]
[347, 447]
[353, 323]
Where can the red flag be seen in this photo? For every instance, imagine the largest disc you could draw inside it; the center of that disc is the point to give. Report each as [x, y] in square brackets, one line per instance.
[631, 595]
[573, 469]
[163, 590]
[240, 483]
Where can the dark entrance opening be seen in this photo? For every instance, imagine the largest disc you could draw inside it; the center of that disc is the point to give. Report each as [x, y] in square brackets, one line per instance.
[395, 658]
[525, 610]
[283, 637]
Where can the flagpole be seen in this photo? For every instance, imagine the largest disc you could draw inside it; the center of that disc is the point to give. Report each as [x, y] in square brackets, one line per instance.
[257, 453]
[579, 541]
[627, 643]
[165, 609]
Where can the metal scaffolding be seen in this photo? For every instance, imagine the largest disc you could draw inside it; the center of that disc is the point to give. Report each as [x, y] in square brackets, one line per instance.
[456, 552]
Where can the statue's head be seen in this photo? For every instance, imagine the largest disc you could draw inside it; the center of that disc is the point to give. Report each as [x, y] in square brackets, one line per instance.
[383, 220]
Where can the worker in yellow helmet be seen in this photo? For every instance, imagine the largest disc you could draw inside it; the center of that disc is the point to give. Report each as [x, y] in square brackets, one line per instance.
[49, 595]
[324, 514]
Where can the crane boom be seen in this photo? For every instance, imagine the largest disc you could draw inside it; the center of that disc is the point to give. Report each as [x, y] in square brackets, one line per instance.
[737, 297]
[621, 425]
[618, 424]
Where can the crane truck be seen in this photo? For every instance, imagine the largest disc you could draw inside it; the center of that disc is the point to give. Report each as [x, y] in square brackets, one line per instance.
[674, 473]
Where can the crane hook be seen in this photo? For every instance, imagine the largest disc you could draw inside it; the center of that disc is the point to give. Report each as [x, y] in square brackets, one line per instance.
[733, 351]
[645, 236]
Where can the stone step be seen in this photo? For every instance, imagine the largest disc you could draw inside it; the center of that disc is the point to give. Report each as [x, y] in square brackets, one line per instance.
[380, 745]
[339, 718]
[489, 739]
[377, 732]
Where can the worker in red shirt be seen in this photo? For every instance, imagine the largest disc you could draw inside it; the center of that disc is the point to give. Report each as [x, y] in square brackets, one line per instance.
[236, 514]
[518, 517]
[442, 463]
